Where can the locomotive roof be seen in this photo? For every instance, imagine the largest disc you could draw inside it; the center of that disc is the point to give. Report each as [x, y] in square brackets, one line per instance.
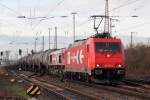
[78, 42]
[83, 41]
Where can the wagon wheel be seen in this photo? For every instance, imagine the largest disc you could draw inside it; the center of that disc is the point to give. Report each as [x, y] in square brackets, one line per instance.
[62, 75]
[88, 78]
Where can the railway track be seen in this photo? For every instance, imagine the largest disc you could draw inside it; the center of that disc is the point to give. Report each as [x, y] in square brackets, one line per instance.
[132, 83]
[12, 98]
[117, 88]
[142, 91]
[139, 92]
[62, 92]
[136, 89]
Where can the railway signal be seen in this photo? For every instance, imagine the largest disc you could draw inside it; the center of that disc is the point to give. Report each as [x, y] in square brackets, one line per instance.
[1, 53]
[20, 52]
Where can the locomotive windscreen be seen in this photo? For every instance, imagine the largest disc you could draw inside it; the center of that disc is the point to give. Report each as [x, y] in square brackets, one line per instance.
[107, 47]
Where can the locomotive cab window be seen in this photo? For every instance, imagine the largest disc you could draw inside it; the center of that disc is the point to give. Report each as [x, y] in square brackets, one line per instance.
[107, 47]
[59, 59]
[87, 48]
[50, 58]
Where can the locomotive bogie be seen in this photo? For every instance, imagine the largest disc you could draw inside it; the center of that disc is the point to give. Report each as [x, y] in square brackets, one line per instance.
[108, 74]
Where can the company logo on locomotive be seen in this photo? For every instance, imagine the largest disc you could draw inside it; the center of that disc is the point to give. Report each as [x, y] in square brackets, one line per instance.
[76, 57]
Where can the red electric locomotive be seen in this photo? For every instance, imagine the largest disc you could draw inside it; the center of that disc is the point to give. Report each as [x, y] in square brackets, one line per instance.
[96, 59]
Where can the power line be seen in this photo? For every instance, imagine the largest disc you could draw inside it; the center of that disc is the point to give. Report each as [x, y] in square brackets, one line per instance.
[128, 2]
[139, 25]
[58, 4]
[9, 8]
[83, 23]
[125, 4]
[142, 6]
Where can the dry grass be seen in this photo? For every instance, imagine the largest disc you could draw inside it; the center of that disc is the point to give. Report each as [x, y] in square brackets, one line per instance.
[3, 71]
[138, 62]
[8, 88]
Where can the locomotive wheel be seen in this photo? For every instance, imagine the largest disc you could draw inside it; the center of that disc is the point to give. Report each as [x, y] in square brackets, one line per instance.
[88, 79]
[47, 70]
[32, 69]
[62, 76]
[43, 70]
[36, 69]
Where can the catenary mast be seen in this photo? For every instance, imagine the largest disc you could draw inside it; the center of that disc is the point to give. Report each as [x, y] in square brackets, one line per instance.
[106, 26]
[106, 19]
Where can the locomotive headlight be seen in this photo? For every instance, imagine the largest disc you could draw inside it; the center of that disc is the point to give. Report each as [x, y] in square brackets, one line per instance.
[97, 65]
[119, 65]
[108, 55]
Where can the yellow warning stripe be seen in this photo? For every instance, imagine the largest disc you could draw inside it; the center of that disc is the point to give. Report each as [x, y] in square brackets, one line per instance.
[35, 90]
[29, 89]
[39, 92]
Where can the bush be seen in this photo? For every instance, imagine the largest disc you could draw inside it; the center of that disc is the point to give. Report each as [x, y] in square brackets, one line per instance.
[138, 60]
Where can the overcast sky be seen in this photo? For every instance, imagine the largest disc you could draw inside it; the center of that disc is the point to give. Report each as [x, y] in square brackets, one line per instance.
[11, 25]
[14, 27]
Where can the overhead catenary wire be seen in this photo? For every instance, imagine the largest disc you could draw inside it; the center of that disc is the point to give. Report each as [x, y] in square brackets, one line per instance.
[10, 9]
[128, 2]
[139, 25]
[124, 4]
[85, 22]
[142, 5]
[53, 9]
